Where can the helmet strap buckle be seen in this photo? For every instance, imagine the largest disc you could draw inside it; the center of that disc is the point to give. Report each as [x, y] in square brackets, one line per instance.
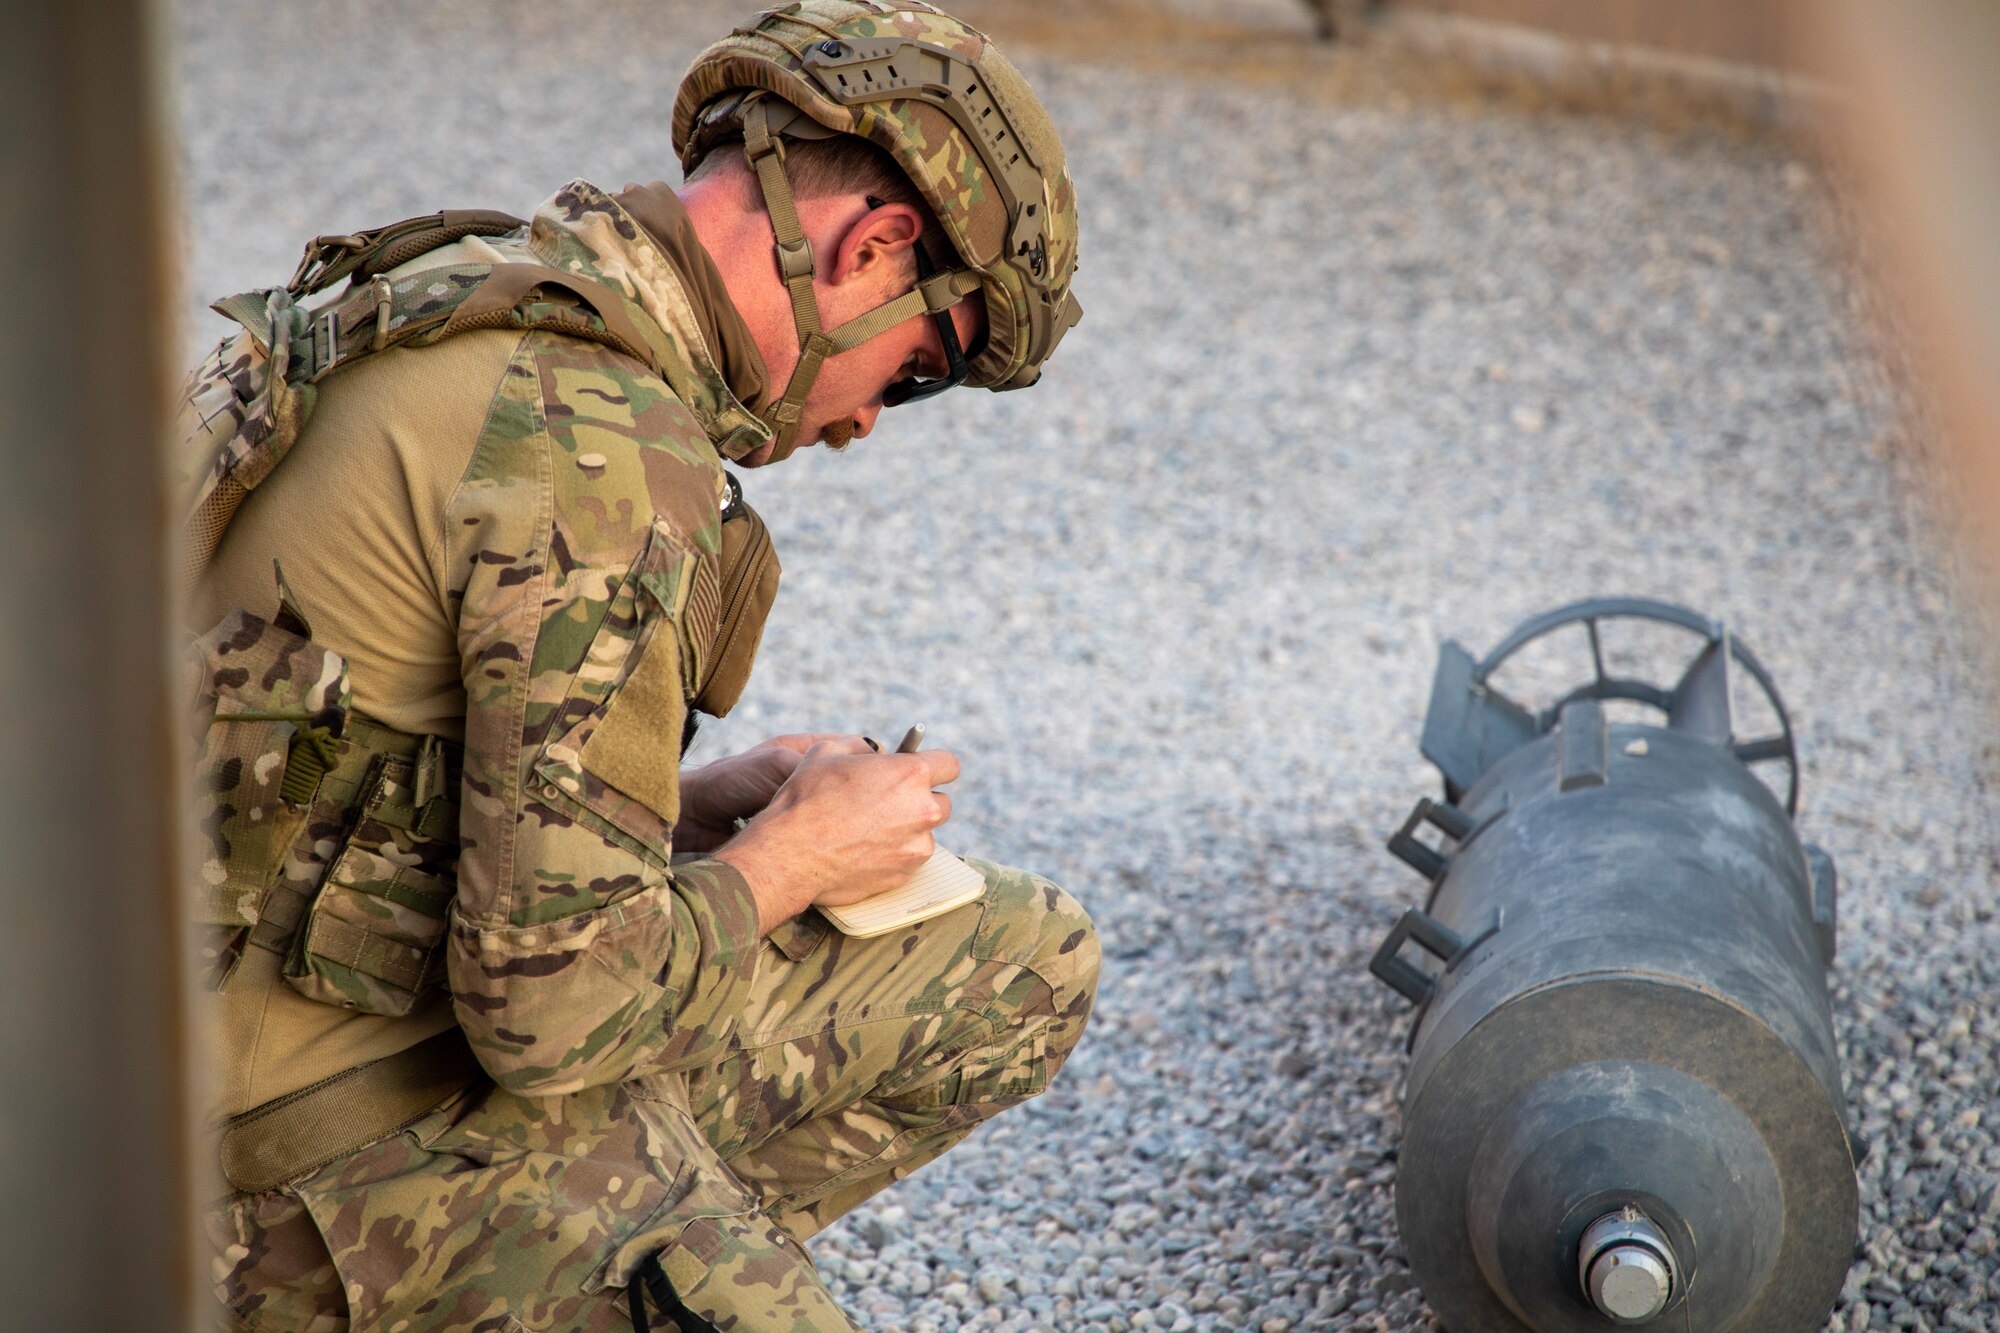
[795, 259]
[762, 144]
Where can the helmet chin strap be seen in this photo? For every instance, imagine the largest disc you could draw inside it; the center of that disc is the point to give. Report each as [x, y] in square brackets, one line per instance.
[941, 291]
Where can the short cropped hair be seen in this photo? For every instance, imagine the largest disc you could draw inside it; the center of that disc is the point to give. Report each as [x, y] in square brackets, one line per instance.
[840, 164]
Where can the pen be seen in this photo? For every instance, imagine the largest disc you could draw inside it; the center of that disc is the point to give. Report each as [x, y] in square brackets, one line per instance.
[911, 740]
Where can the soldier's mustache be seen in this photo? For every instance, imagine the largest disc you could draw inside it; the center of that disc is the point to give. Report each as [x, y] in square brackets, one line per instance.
[838, 434]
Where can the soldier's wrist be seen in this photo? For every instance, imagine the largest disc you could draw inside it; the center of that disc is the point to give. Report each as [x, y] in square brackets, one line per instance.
[778, 894]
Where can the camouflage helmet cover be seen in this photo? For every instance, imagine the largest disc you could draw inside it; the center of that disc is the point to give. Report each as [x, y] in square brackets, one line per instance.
[952, 112]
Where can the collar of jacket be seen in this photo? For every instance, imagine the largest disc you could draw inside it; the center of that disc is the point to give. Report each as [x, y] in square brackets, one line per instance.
[704, 348]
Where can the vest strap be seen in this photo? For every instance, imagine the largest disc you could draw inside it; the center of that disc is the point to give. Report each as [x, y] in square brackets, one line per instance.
[437, 303]
[328, 259]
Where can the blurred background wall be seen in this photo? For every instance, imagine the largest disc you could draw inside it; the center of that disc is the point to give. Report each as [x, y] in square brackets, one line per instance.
[1902, 101]
[93, 1189]
[1917, 133]
[1728, 30]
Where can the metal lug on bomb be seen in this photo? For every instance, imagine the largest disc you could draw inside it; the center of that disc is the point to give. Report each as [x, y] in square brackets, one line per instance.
[1624, 1102]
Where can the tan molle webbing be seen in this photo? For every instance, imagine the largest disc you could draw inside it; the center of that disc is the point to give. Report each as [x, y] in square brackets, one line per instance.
[366, 749]
[364, 951]
[328, 259]
[293, 1136]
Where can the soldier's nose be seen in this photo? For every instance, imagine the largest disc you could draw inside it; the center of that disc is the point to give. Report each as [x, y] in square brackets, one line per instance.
[864, 420]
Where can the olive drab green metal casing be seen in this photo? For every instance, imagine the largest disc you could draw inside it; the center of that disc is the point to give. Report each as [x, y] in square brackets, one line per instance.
[952, 112]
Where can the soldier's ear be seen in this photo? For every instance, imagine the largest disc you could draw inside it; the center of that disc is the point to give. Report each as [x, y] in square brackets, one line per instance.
[877, 245]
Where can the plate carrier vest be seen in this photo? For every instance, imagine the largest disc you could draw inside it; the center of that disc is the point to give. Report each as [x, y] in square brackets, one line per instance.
[285, 760]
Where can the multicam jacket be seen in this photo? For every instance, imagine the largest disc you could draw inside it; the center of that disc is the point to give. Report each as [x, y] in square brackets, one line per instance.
[555, 600]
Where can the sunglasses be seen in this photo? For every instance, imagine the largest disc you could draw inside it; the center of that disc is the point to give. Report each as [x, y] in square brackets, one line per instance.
[956, 366]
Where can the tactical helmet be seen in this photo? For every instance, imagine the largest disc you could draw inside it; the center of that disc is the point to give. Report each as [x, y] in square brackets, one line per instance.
[953, 114]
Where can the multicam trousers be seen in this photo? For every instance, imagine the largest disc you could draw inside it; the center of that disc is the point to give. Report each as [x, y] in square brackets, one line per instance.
[856, 1062]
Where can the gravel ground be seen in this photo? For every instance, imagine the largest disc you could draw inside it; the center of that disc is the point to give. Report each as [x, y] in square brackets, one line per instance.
[1357, 374]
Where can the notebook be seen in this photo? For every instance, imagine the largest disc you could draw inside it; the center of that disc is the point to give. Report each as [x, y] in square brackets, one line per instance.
[943, 883]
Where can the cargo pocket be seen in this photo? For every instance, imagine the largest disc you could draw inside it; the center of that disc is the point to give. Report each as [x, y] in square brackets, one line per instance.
[497, 1206]
[689, 1223]
[1008, 1065]
[614, 758]
[688, 1231]
[1006, 1071]
[372, 941]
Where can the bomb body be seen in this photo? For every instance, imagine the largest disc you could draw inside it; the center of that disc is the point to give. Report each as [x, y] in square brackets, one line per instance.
[1624, 1101]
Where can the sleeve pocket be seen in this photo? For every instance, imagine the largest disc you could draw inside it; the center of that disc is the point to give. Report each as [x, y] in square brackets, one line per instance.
[619, 762]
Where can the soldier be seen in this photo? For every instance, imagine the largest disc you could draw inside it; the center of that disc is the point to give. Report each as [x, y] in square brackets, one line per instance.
[514, 1023]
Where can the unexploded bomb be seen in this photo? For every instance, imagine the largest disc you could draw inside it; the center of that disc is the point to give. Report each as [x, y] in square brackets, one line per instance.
[1624, 1102]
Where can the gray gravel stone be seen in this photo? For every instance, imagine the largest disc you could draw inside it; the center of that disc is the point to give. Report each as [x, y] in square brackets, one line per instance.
[1355, 375]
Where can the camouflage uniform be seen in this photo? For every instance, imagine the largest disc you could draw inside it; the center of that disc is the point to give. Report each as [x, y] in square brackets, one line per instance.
[661, 1081]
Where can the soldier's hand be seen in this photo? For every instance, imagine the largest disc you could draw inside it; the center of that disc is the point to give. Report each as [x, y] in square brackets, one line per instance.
[848, 824]
[738, 786]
